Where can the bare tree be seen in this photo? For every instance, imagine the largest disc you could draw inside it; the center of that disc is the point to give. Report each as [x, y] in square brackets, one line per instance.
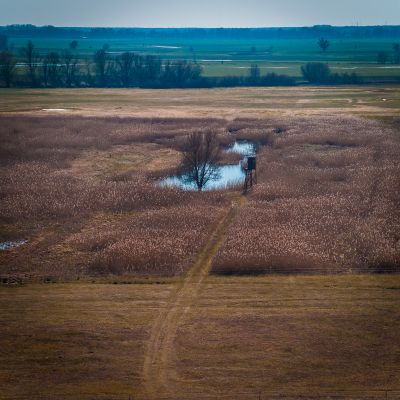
[73, 45]
[382, 57]
[32, 60]
[125, 63]
[324, 44]
[87, 62]
[201, 153]
[396, 49]
[100, 60]
[53, 65]
[153, 68]
[45, 71]
[3, 42]
[255, 74]
[7, 67]
[69, 68]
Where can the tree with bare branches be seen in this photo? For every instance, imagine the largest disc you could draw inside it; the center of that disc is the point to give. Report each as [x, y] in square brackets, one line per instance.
[201, 152]
[69, 68]
[324, 44]
[7, 67]
[101, 59]
[125, 63]
[32, 61]
[3, 42]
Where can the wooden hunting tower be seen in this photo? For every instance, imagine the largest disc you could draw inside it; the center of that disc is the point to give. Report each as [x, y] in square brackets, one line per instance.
[251, 165]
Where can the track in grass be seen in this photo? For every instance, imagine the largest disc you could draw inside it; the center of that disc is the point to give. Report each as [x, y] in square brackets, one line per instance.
[158, 372]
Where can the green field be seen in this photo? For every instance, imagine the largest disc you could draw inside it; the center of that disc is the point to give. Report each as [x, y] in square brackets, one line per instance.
[234, 57]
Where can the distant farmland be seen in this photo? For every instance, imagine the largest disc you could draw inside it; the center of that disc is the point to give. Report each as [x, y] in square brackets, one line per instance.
[234, 57]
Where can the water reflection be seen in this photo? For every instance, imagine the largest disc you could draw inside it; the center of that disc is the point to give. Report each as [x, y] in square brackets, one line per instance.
[9, 244]
[242, 147]
[227, 175]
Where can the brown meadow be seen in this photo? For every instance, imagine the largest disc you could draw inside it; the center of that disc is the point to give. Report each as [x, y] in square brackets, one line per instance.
[326, 199]
[146, 318]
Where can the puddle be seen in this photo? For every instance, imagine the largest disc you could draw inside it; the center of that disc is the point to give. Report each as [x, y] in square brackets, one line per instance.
[228, 174]
[243, 147]
[54, 109]
[9, 244]
[165, 47]
[262, 67]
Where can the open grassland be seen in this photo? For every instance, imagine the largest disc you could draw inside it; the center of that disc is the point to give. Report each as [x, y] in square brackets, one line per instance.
[246, 338]
[88, 201]
[292, 337]
[75, 341]
[83, 191]
[81, 186]
[327, 200]
[214, 103]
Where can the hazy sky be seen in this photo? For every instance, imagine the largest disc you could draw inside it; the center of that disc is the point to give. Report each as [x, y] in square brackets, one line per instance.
[199, 13]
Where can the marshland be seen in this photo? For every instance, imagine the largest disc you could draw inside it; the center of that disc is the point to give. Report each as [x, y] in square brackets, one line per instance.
[81, 195]
[136, 259]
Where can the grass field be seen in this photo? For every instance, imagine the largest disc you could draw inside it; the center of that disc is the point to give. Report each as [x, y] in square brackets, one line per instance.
[214, 103]
[121, 291]
[246, 338]
[234, 57]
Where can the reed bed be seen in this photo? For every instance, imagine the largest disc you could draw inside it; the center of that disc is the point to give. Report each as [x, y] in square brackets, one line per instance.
[327, 201]
[43, 198]
[161, 241]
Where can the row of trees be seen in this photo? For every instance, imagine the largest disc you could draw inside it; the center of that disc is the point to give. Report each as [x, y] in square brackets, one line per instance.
[127, 69]
[385, 57]
[65, 69]
[311, 32]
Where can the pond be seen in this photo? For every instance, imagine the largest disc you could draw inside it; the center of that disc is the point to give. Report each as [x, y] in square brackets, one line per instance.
[9, 244]
[228, 174]
[243, 147]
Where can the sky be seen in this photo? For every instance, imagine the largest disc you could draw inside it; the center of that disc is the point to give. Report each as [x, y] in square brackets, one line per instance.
[199, 13]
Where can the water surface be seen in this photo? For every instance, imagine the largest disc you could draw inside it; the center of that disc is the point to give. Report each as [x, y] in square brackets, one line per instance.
[9, 244]
[228, 174]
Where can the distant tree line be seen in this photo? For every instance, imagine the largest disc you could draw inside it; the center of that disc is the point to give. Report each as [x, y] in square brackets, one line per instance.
[385, 57]
[313, 32]
[127, 69]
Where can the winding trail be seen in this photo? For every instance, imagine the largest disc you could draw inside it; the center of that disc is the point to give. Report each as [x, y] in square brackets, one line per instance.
[158, 371]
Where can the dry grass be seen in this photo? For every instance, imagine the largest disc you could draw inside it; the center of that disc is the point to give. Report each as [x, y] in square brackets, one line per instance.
[319, 337]
[291, 337]
[327, 201]
[164, 241]
[60, 173]
[73, 341]
[214, 103]
[81, 189]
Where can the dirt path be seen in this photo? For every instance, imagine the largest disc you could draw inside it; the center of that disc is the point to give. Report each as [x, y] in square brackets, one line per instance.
[158, 372]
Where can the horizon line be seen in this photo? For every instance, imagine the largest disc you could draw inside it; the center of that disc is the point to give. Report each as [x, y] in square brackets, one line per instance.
[201, 27]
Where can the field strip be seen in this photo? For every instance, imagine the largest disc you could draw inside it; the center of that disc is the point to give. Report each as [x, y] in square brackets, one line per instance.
[158, 373]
